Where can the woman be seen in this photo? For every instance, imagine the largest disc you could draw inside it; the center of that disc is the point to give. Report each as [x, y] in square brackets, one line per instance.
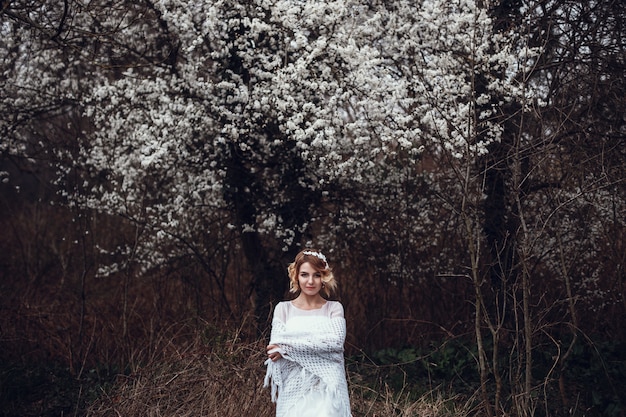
[305, 365]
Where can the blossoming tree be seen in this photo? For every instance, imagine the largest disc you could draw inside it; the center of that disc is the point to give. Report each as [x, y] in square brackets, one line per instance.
[421, 140]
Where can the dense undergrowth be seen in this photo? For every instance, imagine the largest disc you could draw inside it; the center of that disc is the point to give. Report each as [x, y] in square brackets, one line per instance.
[595, 371]
[218, 373]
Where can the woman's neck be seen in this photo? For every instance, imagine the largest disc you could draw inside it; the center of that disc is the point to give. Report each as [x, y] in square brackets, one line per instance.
[308, 302]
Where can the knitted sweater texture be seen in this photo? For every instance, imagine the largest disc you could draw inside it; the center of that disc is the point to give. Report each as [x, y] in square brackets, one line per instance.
[312, 361]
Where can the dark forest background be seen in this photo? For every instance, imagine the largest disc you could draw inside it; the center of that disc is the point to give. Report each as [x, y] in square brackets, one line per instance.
[498, 278]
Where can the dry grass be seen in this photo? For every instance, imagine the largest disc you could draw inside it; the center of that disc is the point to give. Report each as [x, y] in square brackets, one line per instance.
[225, 379]
[383, 402]
[197, 381]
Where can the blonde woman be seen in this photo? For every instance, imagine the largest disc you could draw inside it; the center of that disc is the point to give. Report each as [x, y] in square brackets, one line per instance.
[305, 365]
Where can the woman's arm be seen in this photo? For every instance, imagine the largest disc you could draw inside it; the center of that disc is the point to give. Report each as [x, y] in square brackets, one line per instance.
[273, 352]
[336, 310]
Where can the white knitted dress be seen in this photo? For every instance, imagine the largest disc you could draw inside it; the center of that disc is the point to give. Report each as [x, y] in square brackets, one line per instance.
[310, 379]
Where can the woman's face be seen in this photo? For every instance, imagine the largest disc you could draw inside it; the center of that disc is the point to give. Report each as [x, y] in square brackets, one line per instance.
[309, 279]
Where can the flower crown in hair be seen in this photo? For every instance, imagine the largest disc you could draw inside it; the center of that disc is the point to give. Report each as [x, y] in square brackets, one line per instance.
[317, 255]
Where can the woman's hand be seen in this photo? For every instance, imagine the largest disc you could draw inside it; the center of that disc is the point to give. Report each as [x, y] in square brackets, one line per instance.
[272, 352]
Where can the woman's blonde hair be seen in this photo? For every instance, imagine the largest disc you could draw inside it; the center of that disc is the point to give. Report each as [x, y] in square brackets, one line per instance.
[318, 261]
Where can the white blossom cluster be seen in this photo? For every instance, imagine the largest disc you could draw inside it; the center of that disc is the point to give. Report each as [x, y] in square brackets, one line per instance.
[199, 110]
[358, 90]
